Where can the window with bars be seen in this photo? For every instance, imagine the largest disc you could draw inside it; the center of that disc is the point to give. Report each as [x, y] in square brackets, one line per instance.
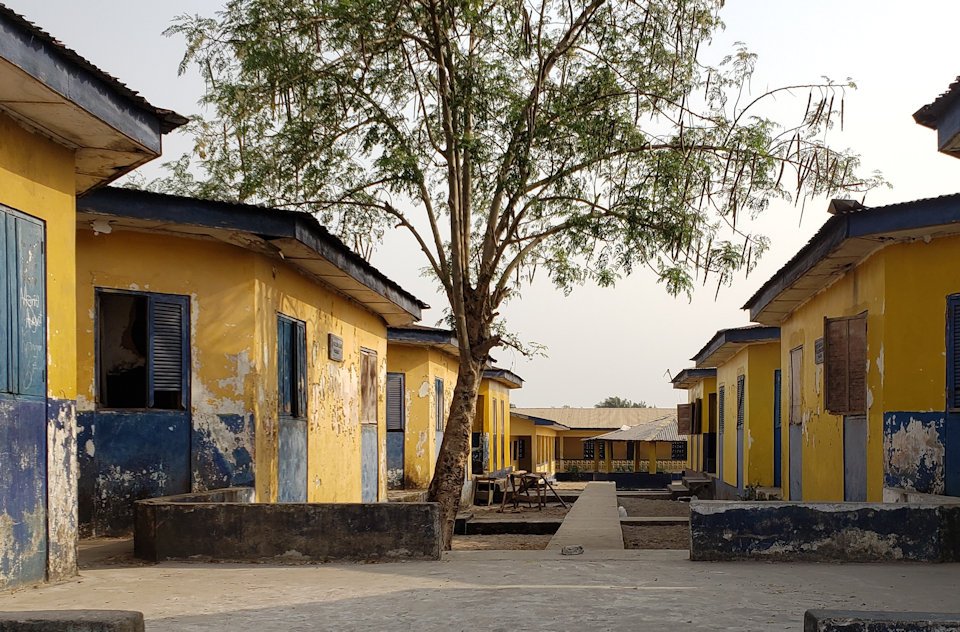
[142, 350]
[396, 413]
[678, 450]
[589, 448]
[741, 387]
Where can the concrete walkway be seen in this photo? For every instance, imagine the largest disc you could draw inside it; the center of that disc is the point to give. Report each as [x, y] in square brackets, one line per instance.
[499, 591]
[593, 522]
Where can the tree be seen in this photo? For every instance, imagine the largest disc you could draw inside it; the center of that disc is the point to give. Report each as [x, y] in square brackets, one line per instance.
[582, 139]
[620, 402]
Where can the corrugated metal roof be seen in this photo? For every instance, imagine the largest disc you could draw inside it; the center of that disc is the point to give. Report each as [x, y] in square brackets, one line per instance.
[929, 115]
[658, 430]
[599, 418]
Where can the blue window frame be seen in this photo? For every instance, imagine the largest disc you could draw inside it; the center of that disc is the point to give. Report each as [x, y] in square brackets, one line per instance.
[292, 367]
[953, 353]
[23, 335]
[143, 350]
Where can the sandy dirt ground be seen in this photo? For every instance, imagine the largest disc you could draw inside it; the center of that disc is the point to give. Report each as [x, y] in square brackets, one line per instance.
[481, 512]
[500, 542]
[642, 507]
[672, 536]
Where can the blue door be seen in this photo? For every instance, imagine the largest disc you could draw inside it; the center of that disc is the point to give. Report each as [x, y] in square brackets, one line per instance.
[292, 386]
[440, 414]
[855, 458]
[23, 404]
[396, 430]
[369, 436]
[369, 457]
[777, 438]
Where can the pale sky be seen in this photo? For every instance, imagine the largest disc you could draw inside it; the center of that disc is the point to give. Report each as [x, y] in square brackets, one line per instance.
[623, 341]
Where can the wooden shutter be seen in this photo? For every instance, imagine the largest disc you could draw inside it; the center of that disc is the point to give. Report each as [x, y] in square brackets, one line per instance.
[845, 360]
[284, 366]
[28, 306]
[300, 369]
[953, 352]
[168, 345]
[368, 386]
[741, 387]
[441, 407]
[721, 406]
[395, 397]
[685, 419]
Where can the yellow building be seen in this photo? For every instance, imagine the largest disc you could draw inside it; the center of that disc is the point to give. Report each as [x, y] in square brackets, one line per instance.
[65, 128]
[578, 453]
[747, 362]
[535, 443]
[868, 314]
[422, 367]
[490, 441]
[222, 344]
[698, 418]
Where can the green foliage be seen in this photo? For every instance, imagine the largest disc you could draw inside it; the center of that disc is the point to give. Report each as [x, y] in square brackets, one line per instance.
[620, 402]
[581, 139]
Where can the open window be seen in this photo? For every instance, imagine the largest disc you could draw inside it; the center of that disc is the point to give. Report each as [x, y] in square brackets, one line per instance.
[292, 367]
[142, 350]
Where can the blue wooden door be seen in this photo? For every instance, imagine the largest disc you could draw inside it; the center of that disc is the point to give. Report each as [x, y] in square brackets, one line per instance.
[23, 406]
[777, 436]
[292, 397]
[795, 422]
[369, 425]
[855, 458]
[396, 430]
[440, 413]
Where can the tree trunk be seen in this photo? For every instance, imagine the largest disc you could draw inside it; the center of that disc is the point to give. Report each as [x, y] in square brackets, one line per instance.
[448, 478]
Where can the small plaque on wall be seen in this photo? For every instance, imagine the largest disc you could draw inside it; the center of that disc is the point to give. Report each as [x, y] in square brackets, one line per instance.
[818, 351]
[335, 347]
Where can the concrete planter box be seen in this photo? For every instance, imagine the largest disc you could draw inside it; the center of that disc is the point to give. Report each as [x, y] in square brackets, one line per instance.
[226, 525]
[824, 532]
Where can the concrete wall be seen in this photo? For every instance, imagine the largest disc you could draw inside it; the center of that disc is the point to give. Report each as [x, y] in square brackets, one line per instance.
[180, 528]
[873, 621]
[823, 532]
[232, 423]
[38, 515]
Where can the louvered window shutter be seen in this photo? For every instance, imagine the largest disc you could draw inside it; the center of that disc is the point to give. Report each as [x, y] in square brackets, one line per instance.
[953, 352]
[741, 387]
[395, 411]
[441, 404]
[721, 405]
[776, 398]
[168, 344]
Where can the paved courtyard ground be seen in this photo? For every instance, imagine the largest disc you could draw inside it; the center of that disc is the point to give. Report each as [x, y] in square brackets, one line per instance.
[498, 590]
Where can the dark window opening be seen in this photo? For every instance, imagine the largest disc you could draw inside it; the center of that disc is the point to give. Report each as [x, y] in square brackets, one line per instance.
[589, 449]
[292, 367]
[142, 350]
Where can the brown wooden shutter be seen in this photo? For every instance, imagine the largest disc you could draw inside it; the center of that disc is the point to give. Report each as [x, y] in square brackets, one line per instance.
[684, 419]
[845, 365]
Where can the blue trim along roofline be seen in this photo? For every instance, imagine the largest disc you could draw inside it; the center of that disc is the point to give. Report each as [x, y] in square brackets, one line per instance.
[930, 114]
[877, 222]
[739, 336]
[267, 223]
[688, 377]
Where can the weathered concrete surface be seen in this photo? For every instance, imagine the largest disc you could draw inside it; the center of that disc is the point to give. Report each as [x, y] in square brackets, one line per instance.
[593, 522]
[832, 532]
[72, 621]
[499, 590]
[872, 621]
[169, 530]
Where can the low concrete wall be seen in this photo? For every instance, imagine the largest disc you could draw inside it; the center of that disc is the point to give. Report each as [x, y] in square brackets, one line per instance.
[193, 527]
[871, 621]
[72, 621]
[828, 532]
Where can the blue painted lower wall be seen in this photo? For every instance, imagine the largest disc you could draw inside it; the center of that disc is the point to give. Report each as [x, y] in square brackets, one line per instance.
[395, 469]
[922, 452]
[23, 491]
[217, 463]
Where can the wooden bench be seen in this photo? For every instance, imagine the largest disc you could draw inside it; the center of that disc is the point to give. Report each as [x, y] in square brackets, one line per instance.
[491, 481]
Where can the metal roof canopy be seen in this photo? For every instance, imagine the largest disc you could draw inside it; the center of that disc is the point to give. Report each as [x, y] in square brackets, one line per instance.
[416, 335]
[538, 421]
[52, 90]
[295, 237]
[659, 430]
[688, 378]
[943, 115]
[503, 376]
[726, 343]
[844, 241]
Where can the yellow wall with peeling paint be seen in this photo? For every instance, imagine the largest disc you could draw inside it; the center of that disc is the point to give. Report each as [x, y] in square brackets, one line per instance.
[494, 396]
[860, 290]
[236, 296]
[37, 179]
[421, 366]
[757, 363]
